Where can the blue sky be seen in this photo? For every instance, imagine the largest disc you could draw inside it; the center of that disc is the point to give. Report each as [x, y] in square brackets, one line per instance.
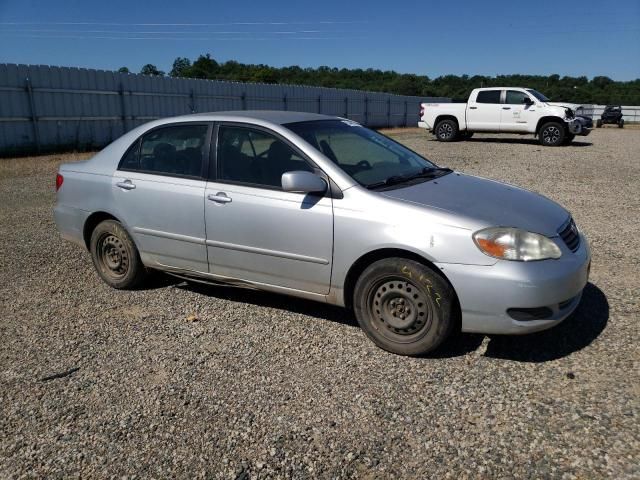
[582, 37]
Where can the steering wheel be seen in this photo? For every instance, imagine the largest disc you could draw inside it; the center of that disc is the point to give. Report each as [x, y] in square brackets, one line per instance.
[364, 165]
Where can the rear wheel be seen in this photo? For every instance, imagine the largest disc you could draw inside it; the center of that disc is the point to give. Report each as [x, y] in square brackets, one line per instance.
[404, 307]
[552, 134]
[115, 256]
[446, 130]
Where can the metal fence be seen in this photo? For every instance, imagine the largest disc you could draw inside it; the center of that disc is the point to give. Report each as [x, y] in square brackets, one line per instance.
[630, 114]
[45, 108]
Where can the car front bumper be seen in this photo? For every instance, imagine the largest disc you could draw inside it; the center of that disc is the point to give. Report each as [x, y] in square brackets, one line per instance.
[580, 126]
[487, 292]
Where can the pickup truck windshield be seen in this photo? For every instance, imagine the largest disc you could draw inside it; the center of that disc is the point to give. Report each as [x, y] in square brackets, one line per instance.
[370, 158]
[537, 94]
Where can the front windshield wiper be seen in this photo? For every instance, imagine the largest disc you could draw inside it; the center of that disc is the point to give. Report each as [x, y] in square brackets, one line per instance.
[427, 172]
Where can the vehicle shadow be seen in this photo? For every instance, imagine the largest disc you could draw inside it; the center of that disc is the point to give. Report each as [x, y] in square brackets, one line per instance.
[572, 335]
[523, 141]
[575, 333]
[259, 298]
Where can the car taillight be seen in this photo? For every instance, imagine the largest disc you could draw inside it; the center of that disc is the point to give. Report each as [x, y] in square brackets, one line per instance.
[421, 110]
[59, 180]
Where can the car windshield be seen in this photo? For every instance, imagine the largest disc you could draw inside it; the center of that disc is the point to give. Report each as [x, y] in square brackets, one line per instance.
[538, 95]
[372, 159]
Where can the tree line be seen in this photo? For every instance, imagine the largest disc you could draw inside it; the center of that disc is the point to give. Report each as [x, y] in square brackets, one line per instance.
[598, 90]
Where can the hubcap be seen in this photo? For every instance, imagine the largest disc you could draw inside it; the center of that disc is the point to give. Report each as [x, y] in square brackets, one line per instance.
[445, 130]
[113, 256]
[400, 309]
[551, 134]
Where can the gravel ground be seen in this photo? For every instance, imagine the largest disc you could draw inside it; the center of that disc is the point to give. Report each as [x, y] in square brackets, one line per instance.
[215, 382]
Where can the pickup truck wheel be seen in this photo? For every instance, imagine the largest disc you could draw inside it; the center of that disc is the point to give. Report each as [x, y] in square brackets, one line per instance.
[115, 256]
[598, 123]
[552, 134]
[446, 130]
[404, 307]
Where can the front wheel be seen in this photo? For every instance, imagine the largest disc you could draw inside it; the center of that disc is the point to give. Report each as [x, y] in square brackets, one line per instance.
[404, 307]
[621, 123]
[115, 256]
[552, 134]
[446, 130]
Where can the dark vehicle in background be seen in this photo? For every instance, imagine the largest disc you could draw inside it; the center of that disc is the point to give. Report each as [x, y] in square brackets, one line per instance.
[612, 115]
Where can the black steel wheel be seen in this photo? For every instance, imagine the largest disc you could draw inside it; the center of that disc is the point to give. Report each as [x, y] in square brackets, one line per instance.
[552, 134]
[621, 123]
[404, 306]
[115, 256]
[446, 130]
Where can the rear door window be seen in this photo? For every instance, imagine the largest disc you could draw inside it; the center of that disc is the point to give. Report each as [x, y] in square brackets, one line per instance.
[488, 96]
[176, 150]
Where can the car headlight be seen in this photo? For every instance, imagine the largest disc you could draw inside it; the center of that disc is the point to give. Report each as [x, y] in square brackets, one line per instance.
[515, 244]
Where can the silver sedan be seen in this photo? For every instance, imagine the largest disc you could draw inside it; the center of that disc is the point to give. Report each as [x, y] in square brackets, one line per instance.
[322, 208]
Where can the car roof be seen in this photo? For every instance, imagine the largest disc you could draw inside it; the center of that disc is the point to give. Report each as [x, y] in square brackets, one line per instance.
[273, 116]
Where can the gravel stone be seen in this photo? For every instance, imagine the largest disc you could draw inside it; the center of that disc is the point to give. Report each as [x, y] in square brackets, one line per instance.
[191, 381]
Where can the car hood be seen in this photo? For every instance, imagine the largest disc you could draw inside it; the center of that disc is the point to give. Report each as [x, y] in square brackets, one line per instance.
[488, 202]
[572, 106]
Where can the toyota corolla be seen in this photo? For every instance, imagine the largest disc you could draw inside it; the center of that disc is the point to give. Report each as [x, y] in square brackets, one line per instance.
[322, 208]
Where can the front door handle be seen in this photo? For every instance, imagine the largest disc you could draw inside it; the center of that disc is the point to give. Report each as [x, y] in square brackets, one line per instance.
[219, 197]
[506, 108]
[473, 108]
[126, 185]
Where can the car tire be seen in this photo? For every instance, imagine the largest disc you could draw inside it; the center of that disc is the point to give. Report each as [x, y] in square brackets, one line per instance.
[115, 256]
[621, 123]
[405, 307]
[598, 123]
[446, 130]
[552, 134]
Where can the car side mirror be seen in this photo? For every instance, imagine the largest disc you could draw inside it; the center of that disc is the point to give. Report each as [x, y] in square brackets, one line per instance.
[527, 101]
[303, 182]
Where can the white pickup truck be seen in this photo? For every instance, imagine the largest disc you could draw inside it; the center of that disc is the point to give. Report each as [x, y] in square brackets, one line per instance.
[505, 110]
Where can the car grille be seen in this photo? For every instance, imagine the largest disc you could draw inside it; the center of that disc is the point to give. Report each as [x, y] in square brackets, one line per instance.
[570, 236]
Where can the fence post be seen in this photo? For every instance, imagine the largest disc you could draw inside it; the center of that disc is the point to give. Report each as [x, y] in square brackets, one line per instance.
[243, 97]
[319, 103]
[284, 102]
[366, 111]
[406, 114]
[346, 107]
[34, 116]
[124, 109]
[388, 112]
[192, 98]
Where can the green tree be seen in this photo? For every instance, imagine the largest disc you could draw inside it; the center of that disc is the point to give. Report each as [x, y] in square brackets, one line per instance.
[152, 70]
[123, 70]
[181, 67]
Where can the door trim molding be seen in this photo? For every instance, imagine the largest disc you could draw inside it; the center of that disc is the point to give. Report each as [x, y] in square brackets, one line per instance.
[172, 236]
[264, 251]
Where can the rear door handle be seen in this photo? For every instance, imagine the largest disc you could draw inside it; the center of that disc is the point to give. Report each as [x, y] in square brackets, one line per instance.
[506, 108]
[219, 197]
[126, 185]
